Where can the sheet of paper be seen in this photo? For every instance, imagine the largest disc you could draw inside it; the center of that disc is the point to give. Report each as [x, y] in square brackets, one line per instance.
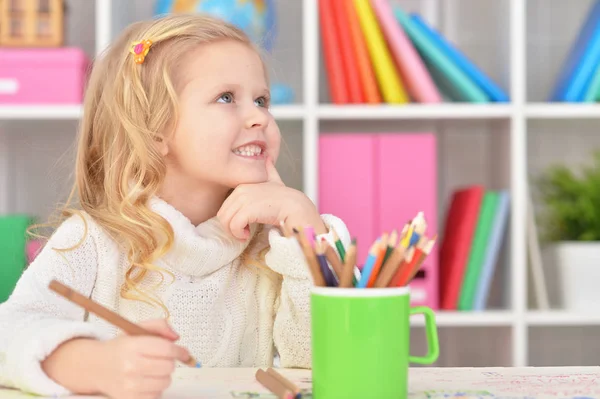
[229, 383]
[424, 383]
[509, 382]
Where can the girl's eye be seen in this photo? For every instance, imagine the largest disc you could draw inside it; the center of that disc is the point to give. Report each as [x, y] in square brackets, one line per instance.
[262, 102]
[226, 98]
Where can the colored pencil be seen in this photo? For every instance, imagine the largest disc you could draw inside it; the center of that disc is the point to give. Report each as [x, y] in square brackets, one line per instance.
[411, 268]
[309, 232]
[390, 246]
[105, 313]
[369, 264]
[383, 245]
[348, 272]
[405, 242]
[338, 244]
[287, 383]
[419, 229]
[311, 259]
[330, 278]
[333, 258]
[424, 253]
[273, 384]
[408, 257]
[391, 266]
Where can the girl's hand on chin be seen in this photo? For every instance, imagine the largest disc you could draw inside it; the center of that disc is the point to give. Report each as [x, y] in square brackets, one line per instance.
[268, 203]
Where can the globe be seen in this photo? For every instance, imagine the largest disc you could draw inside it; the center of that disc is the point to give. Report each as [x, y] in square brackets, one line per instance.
[255, 17]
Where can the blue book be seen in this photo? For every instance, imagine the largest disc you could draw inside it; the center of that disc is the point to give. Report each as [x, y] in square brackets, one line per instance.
[578, 68]
[451, 80]
[491, 253]
[494, 92]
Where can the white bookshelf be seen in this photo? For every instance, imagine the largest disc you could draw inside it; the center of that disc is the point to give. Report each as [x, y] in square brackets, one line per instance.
[499, 145]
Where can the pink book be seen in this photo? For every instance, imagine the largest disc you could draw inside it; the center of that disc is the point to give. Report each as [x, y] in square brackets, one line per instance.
[407, 178]
[418, 80]
[346, 185]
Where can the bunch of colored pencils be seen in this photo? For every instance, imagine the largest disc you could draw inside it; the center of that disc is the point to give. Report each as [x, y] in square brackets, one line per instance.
[393, 260]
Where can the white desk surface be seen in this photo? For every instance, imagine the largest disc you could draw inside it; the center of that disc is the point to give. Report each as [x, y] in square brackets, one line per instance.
[427, 382]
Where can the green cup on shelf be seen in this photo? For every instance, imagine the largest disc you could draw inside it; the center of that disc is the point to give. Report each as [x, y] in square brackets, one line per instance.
[361, 340]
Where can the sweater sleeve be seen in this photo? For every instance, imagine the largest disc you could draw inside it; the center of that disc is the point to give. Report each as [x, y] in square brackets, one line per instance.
[292, 326]
[34, 320]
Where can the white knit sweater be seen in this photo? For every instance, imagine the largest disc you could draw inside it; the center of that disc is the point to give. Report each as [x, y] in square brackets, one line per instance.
[226, 313]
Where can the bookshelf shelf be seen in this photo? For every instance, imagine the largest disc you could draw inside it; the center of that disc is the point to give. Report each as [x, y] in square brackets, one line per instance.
[414, 111]
[497, 144]
[40, 112]
[70, 112]
[469, 319]
[562, 318]
[562, 111]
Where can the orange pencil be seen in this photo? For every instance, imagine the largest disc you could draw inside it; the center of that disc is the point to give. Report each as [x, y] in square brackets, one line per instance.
[426, 251]
[379, 261]
[408, 258]
[404, 275]
[390, 267]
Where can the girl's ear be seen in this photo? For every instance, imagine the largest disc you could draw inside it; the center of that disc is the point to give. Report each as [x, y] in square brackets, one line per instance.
[162, 146]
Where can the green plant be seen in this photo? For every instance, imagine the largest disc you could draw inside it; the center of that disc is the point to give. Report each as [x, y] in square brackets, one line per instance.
[570, 202]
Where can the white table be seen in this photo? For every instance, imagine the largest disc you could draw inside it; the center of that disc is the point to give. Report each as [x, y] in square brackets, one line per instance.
[430, 383]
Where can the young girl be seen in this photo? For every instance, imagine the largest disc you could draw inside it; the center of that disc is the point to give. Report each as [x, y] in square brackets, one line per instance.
[178, 226]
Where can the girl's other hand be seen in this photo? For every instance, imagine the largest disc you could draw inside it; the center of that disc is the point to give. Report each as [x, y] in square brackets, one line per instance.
[140, 367]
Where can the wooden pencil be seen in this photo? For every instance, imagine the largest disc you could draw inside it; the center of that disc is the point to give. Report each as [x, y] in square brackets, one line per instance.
[273, 385]
[287, 383]
[309, 233]
[390, 246]
[332, 258]
[330, 278]
[311, 259]
[338, 244]
[411, 268]
[106, 314]
[346, 280]
[408, 257]
[390, 268]
[419, 229]
[424, 254]
[383, 245]
[369, 264]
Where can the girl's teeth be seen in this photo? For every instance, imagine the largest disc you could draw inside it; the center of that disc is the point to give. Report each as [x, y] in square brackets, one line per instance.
[248, 151]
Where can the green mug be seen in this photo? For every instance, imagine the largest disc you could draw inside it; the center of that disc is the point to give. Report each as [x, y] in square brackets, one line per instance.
[361, 340]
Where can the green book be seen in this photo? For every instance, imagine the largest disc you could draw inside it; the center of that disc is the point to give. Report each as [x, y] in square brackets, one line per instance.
[455, 83]
[593, 91]
[485, 222]
[13, 255]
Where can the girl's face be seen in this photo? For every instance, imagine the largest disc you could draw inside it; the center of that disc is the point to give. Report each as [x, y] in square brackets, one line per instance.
[225, 129]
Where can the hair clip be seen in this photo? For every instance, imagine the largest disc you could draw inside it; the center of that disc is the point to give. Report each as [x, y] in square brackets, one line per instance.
[140, 50]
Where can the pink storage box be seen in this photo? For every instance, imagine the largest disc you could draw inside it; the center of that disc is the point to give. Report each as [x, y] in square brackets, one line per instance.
[42, 76]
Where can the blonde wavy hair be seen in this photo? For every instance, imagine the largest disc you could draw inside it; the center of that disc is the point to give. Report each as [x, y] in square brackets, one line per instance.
[128, 108]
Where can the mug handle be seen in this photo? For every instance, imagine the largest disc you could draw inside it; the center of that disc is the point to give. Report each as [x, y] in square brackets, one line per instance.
[431, 333]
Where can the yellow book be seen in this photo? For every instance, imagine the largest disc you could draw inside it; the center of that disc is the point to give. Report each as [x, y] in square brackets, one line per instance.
[390, 82]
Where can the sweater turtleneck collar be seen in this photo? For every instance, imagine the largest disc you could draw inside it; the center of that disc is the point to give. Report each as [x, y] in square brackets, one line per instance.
[198, 250]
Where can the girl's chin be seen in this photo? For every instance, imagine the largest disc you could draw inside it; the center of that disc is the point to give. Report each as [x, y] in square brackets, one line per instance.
[250, 179]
